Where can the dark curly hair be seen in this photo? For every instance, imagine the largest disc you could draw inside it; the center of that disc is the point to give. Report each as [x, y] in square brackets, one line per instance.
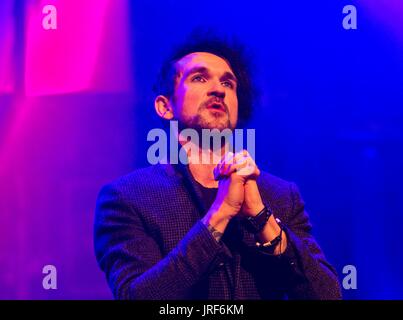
[230, 50]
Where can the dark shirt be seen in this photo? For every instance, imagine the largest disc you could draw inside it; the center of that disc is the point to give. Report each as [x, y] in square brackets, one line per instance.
[208, 194]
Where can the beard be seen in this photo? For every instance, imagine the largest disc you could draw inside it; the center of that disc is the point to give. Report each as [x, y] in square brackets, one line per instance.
[214, 120]
[207, 118]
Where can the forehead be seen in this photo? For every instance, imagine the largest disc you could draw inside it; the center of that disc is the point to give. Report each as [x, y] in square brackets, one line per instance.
[202, 59]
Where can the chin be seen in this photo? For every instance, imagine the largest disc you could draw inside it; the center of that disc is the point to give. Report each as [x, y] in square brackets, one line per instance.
[202, 121]
[215, 121]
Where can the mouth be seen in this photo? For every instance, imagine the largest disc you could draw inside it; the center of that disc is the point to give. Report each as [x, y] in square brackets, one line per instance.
[215, 106]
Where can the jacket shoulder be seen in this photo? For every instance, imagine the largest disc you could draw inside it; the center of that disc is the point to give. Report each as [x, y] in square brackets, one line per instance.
[141, 190]
[151, 176]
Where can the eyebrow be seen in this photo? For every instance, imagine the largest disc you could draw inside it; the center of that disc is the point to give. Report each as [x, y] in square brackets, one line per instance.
[227, 75]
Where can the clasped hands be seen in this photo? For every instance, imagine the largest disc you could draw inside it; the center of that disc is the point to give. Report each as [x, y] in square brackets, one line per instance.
[238, 192]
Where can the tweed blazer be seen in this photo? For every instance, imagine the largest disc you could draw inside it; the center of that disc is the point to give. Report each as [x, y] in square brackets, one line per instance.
[150, 242]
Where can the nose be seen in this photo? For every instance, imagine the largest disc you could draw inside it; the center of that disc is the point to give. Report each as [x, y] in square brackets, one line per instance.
[217, 90]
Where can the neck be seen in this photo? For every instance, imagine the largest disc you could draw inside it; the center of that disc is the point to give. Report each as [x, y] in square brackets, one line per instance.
[203, 174]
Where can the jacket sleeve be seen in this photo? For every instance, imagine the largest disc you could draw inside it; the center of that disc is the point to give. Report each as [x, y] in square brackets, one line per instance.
[310, 276]
[132, 260]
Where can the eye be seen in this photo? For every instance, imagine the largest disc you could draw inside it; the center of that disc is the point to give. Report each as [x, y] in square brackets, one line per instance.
[198, 79]
[228, 84]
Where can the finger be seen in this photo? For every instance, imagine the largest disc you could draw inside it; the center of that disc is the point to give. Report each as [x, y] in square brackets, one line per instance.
[233, 163]
[251, 169]
[222, 166]
[226, 169]
[228, 158]
[234, 168]
[240, 157]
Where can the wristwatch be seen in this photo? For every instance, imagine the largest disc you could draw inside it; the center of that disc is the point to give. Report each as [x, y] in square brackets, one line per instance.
[256, 224]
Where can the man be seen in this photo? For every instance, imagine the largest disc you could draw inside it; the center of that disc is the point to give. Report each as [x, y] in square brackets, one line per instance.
[202, 230]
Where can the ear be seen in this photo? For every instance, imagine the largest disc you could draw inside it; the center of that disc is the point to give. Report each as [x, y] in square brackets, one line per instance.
[163, 107]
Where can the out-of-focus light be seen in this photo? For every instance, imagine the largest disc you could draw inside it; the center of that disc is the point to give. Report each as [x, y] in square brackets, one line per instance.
[388, 13]
[7, 38]
[88, 51]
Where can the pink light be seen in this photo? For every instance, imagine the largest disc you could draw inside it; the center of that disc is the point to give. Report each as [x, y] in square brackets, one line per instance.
[388, 13]
[7, 38]
[79, 54]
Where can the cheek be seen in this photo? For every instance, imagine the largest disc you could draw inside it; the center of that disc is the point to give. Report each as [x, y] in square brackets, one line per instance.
[233, 104]
[179, 101]
[191, 98]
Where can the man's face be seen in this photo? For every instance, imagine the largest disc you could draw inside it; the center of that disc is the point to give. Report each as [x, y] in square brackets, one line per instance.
[205, 92]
